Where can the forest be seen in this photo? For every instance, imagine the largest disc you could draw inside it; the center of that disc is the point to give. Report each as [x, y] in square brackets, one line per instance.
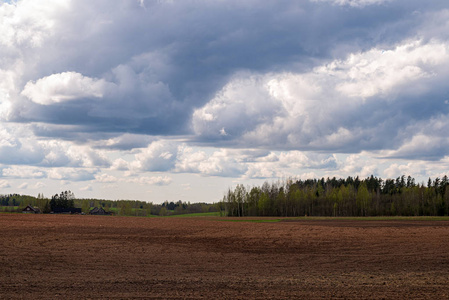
[371, 196]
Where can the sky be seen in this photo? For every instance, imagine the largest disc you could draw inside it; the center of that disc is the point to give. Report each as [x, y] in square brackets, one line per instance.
[173, 100]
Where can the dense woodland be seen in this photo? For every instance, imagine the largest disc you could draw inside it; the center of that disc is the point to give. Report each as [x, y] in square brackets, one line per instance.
[340, 197]
[67, 199]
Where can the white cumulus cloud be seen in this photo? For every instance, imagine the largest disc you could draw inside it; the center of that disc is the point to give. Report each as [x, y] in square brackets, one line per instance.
[158, 156]
[64, 86]
[324, 108]
[23, 172]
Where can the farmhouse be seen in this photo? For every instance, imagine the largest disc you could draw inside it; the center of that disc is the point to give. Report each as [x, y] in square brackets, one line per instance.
[99, 211]
[31, 210]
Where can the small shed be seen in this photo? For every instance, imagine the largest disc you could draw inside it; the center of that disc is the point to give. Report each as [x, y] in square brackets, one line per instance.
[31, 210]
[99, 211]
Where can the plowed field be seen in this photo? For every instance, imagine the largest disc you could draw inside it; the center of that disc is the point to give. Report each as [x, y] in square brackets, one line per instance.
[56, 256]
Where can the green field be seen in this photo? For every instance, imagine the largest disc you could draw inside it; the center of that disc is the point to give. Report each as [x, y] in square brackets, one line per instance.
[286, 219]
[139, 212]
[252, 220]
[9, 208]
[209, 214]
[382, 218]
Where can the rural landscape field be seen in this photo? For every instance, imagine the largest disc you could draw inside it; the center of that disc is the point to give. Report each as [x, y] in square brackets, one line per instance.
[76, 256]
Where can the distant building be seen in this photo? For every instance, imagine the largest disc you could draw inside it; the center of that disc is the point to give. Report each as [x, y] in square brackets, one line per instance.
[99, 211]
[31, 210]
[60, 210]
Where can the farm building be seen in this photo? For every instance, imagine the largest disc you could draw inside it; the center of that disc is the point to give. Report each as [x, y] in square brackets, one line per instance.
[31, 210]
[99, 211]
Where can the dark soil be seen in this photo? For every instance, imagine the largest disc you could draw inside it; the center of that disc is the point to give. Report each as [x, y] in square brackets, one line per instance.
[61, 256]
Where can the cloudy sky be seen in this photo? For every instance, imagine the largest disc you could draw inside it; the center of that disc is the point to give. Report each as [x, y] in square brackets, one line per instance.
[180, 99]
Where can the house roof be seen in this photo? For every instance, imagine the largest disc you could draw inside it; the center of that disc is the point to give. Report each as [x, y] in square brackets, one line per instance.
[94, 210]
[99, 211]
[30, 208]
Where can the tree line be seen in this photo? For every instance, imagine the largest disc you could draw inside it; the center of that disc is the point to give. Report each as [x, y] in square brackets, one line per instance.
[67, 199]
[371, 196]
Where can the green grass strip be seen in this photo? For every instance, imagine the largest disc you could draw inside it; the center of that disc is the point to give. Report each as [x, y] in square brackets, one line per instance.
[380, 218]
[209, 214]
[252, 220]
